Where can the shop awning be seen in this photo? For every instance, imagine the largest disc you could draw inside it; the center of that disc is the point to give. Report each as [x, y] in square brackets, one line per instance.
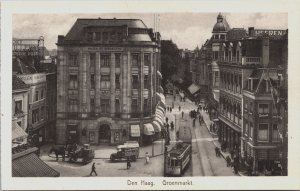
[161, 89]
[161, 104]
[148, 129]
[17, 131]
[161, 109]
[160, 113]
[135, 131]
[159, 74]
[161, 97]
[28, 164]
[193, 88]
[160, 116]
[159, 121]
[157, 127]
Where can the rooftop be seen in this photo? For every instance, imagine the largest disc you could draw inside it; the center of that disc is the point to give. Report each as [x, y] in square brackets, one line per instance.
[18, 84]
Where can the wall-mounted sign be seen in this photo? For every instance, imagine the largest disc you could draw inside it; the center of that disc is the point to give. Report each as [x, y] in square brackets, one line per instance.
[269, 32]
[105, 48]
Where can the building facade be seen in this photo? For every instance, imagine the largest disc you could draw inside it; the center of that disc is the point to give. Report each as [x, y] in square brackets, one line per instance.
[36, 105]
[19, 111]
[108, 82]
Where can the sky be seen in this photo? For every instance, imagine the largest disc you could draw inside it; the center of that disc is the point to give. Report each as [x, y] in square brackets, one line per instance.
[187, 30]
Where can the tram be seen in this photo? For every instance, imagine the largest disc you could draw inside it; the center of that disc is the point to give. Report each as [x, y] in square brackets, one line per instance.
[180, 156]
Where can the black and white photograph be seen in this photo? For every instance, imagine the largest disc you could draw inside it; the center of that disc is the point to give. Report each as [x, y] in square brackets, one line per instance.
[176, 96]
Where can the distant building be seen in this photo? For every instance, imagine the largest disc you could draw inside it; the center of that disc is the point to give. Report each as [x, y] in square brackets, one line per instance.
[108, 82]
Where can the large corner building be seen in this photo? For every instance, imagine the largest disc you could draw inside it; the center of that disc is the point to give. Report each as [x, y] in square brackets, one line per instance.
[108, 82]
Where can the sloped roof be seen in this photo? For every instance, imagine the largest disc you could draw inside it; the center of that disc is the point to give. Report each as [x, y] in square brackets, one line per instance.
[76, 31]
[28, 164]
[18, 84]
[17, 131]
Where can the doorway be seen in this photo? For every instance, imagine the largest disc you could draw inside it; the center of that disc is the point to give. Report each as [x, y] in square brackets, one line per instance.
[104, 133]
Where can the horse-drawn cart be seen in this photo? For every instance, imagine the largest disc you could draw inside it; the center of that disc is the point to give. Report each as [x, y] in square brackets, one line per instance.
[83, 154]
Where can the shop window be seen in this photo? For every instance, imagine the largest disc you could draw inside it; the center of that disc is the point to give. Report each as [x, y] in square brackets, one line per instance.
[105, 60]
[73, 81]
[117, 60]
[275, 133]
[263, 132]
[18, 107]
[246, 107]
[263, 110]
[92, 137]
[246, 128]
[251, 107]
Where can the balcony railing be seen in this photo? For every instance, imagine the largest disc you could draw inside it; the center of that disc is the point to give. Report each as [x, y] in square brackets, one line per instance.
[251, 60]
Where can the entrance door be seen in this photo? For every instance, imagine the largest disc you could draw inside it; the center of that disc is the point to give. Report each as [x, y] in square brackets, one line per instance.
[104, 134]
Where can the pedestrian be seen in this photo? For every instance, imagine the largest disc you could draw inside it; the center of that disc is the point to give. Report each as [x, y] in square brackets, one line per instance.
[179, 108]
[182, 113]
[228, 160]
[172, 125]
[194, 122]
[128, 163]
[170, 109]
[216, 150]
[93, 170]
[200, 119]
[167, 119]
[167, 125]
[147, 158]
[232, 153]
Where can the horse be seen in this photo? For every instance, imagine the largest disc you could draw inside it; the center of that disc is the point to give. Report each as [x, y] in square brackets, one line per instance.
[58, 150]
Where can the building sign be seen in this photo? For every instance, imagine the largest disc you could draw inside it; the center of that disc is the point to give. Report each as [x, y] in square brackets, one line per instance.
[33, 78]
[105, 48]
[269, 32]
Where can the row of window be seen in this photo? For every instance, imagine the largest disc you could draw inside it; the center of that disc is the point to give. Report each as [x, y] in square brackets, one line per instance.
[263, 109]
[228, 56]
[38, 115]
[105, 60]
[105, 81]
[262, 132]
[105, 105]
[231, 82]
[104, 36]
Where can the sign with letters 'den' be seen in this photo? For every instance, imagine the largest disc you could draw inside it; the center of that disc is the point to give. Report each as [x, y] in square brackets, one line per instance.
[269, 32]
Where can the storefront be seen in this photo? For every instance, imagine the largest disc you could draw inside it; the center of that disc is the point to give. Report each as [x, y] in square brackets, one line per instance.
[135, 133]
[148, 133]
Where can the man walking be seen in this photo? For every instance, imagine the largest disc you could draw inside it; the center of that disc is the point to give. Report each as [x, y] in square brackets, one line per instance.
[128, 163]
[93, 170]
[182, 113]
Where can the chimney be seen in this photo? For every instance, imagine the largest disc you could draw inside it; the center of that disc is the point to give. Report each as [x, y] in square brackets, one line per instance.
[265, 51]
[60, 39]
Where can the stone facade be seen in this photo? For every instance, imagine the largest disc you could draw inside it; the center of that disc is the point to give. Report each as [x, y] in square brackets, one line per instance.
[107, 80]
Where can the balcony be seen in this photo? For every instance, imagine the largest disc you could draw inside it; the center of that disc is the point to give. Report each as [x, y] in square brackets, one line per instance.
[251, 60]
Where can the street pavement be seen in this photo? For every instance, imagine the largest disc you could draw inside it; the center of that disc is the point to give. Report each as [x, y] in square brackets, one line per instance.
[204, 161]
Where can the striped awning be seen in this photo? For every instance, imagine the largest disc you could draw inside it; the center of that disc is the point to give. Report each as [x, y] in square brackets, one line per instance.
[161, 109]
[30, 165]
[148, 129]
[161, 89]
[161, 97]
[159, 120]
[17, 131]
[135, 131]
[159, 74]
[157, 127]
[160, 113]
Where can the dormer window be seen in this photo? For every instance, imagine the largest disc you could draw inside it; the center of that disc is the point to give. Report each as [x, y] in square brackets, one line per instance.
[89, 36]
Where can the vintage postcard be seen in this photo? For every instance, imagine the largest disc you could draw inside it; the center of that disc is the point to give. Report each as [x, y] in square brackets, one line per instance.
[145, 95]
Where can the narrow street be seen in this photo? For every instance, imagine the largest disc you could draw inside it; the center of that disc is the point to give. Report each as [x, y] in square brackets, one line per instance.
[204, 160]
